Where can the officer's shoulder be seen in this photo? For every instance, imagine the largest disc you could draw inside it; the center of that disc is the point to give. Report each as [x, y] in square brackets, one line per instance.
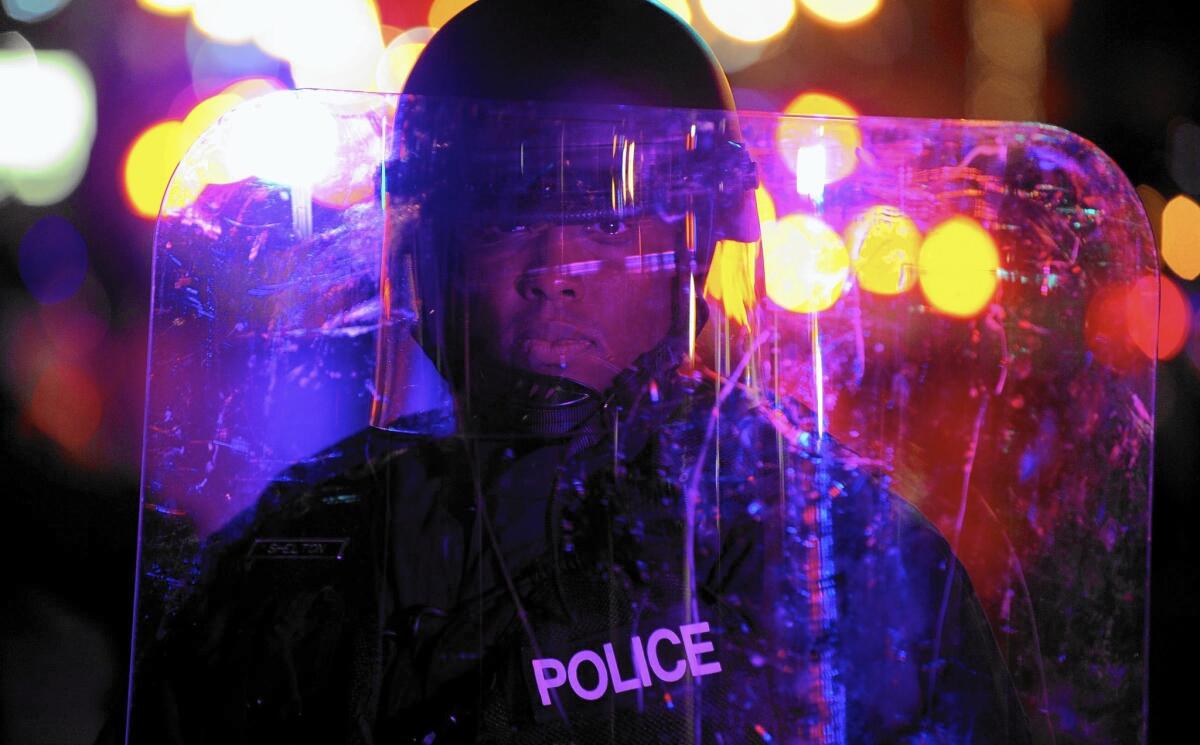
[327, 487]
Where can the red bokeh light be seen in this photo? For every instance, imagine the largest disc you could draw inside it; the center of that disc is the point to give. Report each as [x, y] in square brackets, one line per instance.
[1144, 305]
[66, 406]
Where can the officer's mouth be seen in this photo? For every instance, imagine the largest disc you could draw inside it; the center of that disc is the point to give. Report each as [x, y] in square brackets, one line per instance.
[556, 344]
[556, 352]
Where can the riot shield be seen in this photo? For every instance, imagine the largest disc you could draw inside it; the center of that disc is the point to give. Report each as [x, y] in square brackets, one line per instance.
[486, 422]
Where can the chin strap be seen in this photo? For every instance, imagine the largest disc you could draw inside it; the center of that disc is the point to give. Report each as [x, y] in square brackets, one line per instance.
[518, 402]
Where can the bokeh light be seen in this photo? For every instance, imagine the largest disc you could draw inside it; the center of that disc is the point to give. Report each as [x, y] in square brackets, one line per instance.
[211, 169]
[1000, 95]
[234, 21]
[52, 259]
[355, 179]
[213, 64]
[842, 12]
[1105, 329]
[205, 114]
[805, 263]
[1181, 236]
[253, 87]
[765, 205]
[731, 279]
[1006, 67]
[48, 125]
[397, 61]
[681, 8]
[1053, 14]
[750, 20]
[330, 46]
[839, 138]
[1009, 37]
[149, 164]
[154, 155]
[443, 10]
[957, 267]
[78, 325]
[32, 11]
[1153, 310]
[166, 7]
[66, 406]
[283, 138]
[884, 244]
[1154, 204]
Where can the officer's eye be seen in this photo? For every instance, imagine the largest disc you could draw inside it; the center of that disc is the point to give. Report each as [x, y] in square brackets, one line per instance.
[611, 228]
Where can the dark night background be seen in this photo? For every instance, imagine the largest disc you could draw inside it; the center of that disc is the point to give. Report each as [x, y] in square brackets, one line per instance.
[1123, 75]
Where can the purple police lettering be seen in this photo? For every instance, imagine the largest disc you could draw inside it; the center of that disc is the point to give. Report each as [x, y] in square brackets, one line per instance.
[551, 673]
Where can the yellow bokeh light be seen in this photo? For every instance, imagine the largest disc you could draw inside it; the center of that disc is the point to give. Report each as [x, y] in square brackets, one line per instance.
[884, 244]
[1181, 236]
[750, 20]
[395, 64]
[149, 164]
[209, 165]
[765, 204]
[730, 280]
[842, 12]
[805, 264]
[443, 10]
[166, 7]
[839, 137]
[680, 8]
[248, 88]
[957, 267]
[204, 114]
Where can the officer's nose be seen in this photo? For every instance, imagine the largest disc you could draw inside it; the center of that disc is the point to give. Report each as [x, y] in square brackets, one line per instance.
[557, 273]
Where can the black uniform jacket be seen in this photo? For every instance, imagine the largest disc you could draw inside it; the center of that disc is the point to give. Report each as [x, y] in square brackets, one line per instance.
[400, 590]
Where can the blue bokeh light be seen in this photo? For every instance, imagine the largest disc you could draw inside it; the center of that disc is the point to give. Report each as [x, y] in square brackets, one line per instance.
[52, 260]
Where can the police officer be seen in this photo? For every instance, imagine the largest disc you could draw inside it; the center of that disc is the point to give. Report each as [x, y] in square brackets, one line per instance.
[555, 555]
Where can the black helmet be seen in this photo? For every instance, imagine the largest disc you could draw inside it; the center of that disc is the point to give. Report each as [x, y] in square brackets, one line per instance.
[630, 52]
[590, 115]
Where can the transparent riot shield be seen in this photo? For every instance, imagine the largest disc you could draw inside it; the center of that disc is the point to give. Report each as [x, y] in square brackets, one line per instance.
[473, 422]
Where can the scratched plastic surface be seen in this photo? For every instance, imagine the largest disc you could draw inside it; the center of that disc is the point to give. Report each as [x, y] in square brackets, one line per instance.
[897, 490]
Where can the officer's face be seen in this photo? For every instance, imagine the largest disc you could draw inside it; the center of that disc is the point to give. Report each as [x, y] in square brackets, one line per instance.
[576, 301]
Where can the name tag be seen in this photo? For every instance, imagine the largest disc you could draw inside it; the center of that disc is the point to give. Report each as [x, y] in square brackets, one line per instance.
[298, 548]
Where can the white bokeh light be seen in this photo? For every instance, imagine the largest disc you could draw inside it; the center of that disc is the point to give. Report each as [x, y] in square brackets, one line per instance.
[750, 20]
[48, 125]
[329, 45]
[283, 138]
[231, 21]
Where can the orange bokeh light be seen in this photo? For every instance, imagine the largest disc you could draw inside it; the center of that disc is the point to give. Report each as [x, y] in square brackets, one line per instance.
[443, 10]
[1181, 236]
